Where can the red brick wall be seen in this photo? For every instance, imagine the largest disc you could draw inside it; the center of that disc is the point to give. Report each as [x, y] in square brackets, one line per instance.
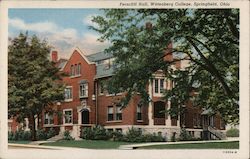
[88, 72]
[128, 114]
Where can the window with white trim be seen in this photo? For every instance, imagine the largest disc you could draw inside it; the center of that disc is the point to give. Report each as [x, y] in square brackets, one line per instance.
[68, 115]
[159, 85]
[110, 113]
[68, 93]
[48, 118]
[83, 90]
[118, 113]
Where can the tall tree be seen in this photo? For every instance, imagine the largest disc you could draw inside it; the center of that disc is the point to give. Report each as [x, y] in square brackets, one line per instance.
[33, 80]
[208, 39]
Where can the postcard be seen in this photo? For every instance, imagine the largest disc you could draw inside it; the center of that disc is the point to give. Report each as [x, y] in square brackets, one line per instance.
[124, 79]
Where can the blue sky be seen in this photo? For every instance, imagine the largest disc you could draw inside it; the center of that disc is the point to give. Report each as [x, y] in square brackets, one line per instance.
[64, 29]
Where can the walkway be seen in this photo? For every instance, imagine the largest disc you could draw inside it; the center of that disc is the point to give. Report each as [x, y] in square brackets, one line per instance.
[135, 146]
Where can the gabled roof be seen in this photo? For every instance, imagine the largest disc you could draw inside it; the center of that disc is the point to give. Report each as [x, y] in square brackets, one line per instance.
[104, 71]
[61, 63]
[83, 55]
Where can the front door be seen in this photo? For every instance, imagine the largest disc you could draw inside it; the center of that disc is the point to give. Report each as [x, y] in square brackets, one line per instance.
[85, 116]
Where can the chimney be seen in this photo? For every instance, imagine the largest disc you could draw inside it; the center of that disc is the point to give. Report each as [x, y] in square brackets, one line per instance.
[54, 56]
[168, 53]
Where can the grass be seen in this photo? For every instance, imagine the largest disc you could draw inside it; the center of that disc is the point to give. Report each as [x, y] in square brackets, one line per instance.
[211, 145]
[18, 142]
[100, 144]
[90, 144]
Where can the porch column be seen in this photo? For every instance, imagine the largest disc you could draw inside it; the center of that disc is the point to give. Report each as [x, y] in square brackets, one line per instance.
[150, 106]
[178, 121]
[26, 125]
[79, 114]
[168, 119]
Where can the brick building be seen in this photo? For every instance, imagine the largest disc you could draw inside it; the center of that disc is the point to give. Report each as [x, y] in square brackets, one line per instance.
[88, 103]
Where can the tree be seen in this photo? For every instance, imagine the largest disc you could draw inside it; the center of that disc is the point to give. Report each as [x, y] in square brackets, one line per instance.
[208, 39]
[33, 80]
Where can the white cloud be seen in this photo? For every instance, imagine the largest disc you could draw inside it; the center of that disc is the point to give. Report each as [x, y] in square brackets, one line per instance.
[62, 39]
[38, 27]
[88, 20]
[90, 40]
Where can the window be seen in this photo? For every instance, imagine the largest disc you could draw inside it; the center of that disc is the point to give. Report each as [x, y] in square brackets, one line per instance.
[159, 85]
[83, 90]
[110, 113]
[118, 130]
[108, 63]
[100, 62]
[72, 71]
[118, 113]
[48, 118]
[139, 112]
[79, 69]
[67, 116]
[101, 88]
[75, 70]
[156, 86]
[68, 93]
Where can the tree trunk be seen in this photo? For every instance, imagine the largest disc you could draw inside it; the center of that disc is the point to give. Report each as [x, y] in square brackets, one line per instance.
[33, 128]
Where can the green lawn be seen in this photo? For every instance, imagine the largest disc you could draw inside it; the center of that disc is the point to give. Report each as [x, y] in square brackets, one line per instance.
[211, 145]
[91, 144]
[18, 142]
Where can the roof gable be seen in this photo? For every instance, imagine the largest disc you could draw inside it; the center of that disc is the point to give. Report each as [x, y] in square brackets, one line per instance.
[78, 51]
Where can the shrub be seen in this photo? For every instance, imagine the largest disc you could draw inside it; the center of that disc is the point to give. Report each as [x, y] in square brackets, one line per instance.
[10, 135]
[26, 135]
[87, 133]
[117, 136]
[67, 136]
[51, 133]
[184, 135]
[233, 132]
[100, 133]
[152, 138]
[41, 134]
[133, 135]
[95, 133]
[19, 135]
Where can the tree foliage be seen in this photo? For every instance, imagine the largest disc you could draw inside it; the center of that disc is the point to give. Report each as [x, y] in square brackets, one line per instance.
[207, 38]
[32, 78]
